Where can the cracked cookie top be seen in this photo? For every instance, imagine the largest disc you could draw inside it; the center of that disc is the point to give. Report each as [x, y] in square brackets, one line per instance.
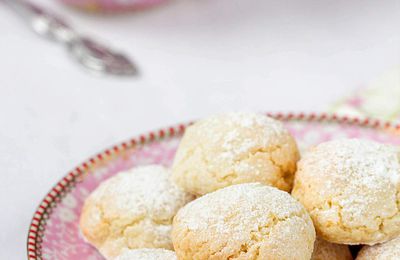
[235, 148]
[133, 209]
[243, 221]
[351, 189]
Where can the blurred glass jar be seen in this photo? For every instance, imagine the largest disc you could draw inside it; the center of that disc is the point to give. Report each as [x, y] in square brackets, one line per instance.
[111, 5]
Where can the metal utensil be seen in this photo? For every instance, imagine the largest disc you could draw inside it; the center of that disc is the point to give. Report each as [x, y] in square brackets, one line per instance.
[92, 55]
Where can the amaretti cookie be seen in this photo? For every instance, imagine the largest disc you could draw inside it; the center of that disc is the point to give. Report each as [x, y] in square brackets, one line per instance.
[133, 209]
[235, 148]
[147, 254]
[243, 221]
[387, 251]
[324, 250]
[351, 187]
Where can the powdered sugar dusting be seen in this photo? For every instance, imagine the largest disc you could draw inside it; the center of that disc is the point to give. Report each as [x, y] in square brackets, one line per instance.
[133, 209]
[244, 221]
[357, 186]
[236, 142]
[239, 209]
[145, 191]
[367, 161]
[269, 125]
[249, 120]
[235, 148]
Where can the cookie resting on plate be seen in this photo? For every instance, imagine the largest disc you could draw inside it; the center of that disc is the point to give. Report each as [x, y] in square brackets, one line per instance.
[243, 221]
[351, 188]
[235, 148]
[133, 209]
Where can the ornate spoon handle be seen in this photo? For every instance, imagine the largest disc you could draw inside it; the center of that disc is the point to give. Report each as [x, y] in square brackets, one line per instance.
[92, 55]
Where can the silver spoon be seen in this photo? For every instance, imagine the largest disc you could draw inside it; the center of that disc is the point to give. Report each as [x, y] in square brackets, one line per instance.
[92, 55]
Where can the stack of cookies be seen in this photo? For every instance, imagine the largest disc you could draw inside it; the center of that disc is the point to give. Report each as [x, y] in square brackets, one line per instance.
[239, 190]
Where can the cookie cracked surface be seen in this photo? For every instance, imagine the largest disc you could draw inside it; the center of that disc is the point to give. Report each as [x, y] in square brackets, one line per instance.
[244, 221]
[133, 209]
[351, 189]
[235, 148]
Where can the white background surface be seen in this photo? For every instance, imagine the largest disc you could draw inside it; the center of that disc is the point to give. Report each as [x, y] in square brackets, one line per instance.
[196, 56]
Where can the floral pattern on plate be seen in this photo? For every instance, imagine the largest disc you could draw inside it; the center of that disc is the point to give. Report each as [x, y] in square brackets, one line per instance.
[381, 99]
[58, 233]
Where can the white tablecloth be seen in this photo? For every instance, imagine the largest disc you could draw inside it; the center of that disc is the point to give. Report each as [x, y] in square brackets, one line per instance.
[196, 58]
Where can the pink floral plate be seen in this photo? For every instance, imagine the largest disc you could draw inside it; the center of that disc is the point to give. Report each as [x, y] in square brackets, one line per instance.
[54, 232]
